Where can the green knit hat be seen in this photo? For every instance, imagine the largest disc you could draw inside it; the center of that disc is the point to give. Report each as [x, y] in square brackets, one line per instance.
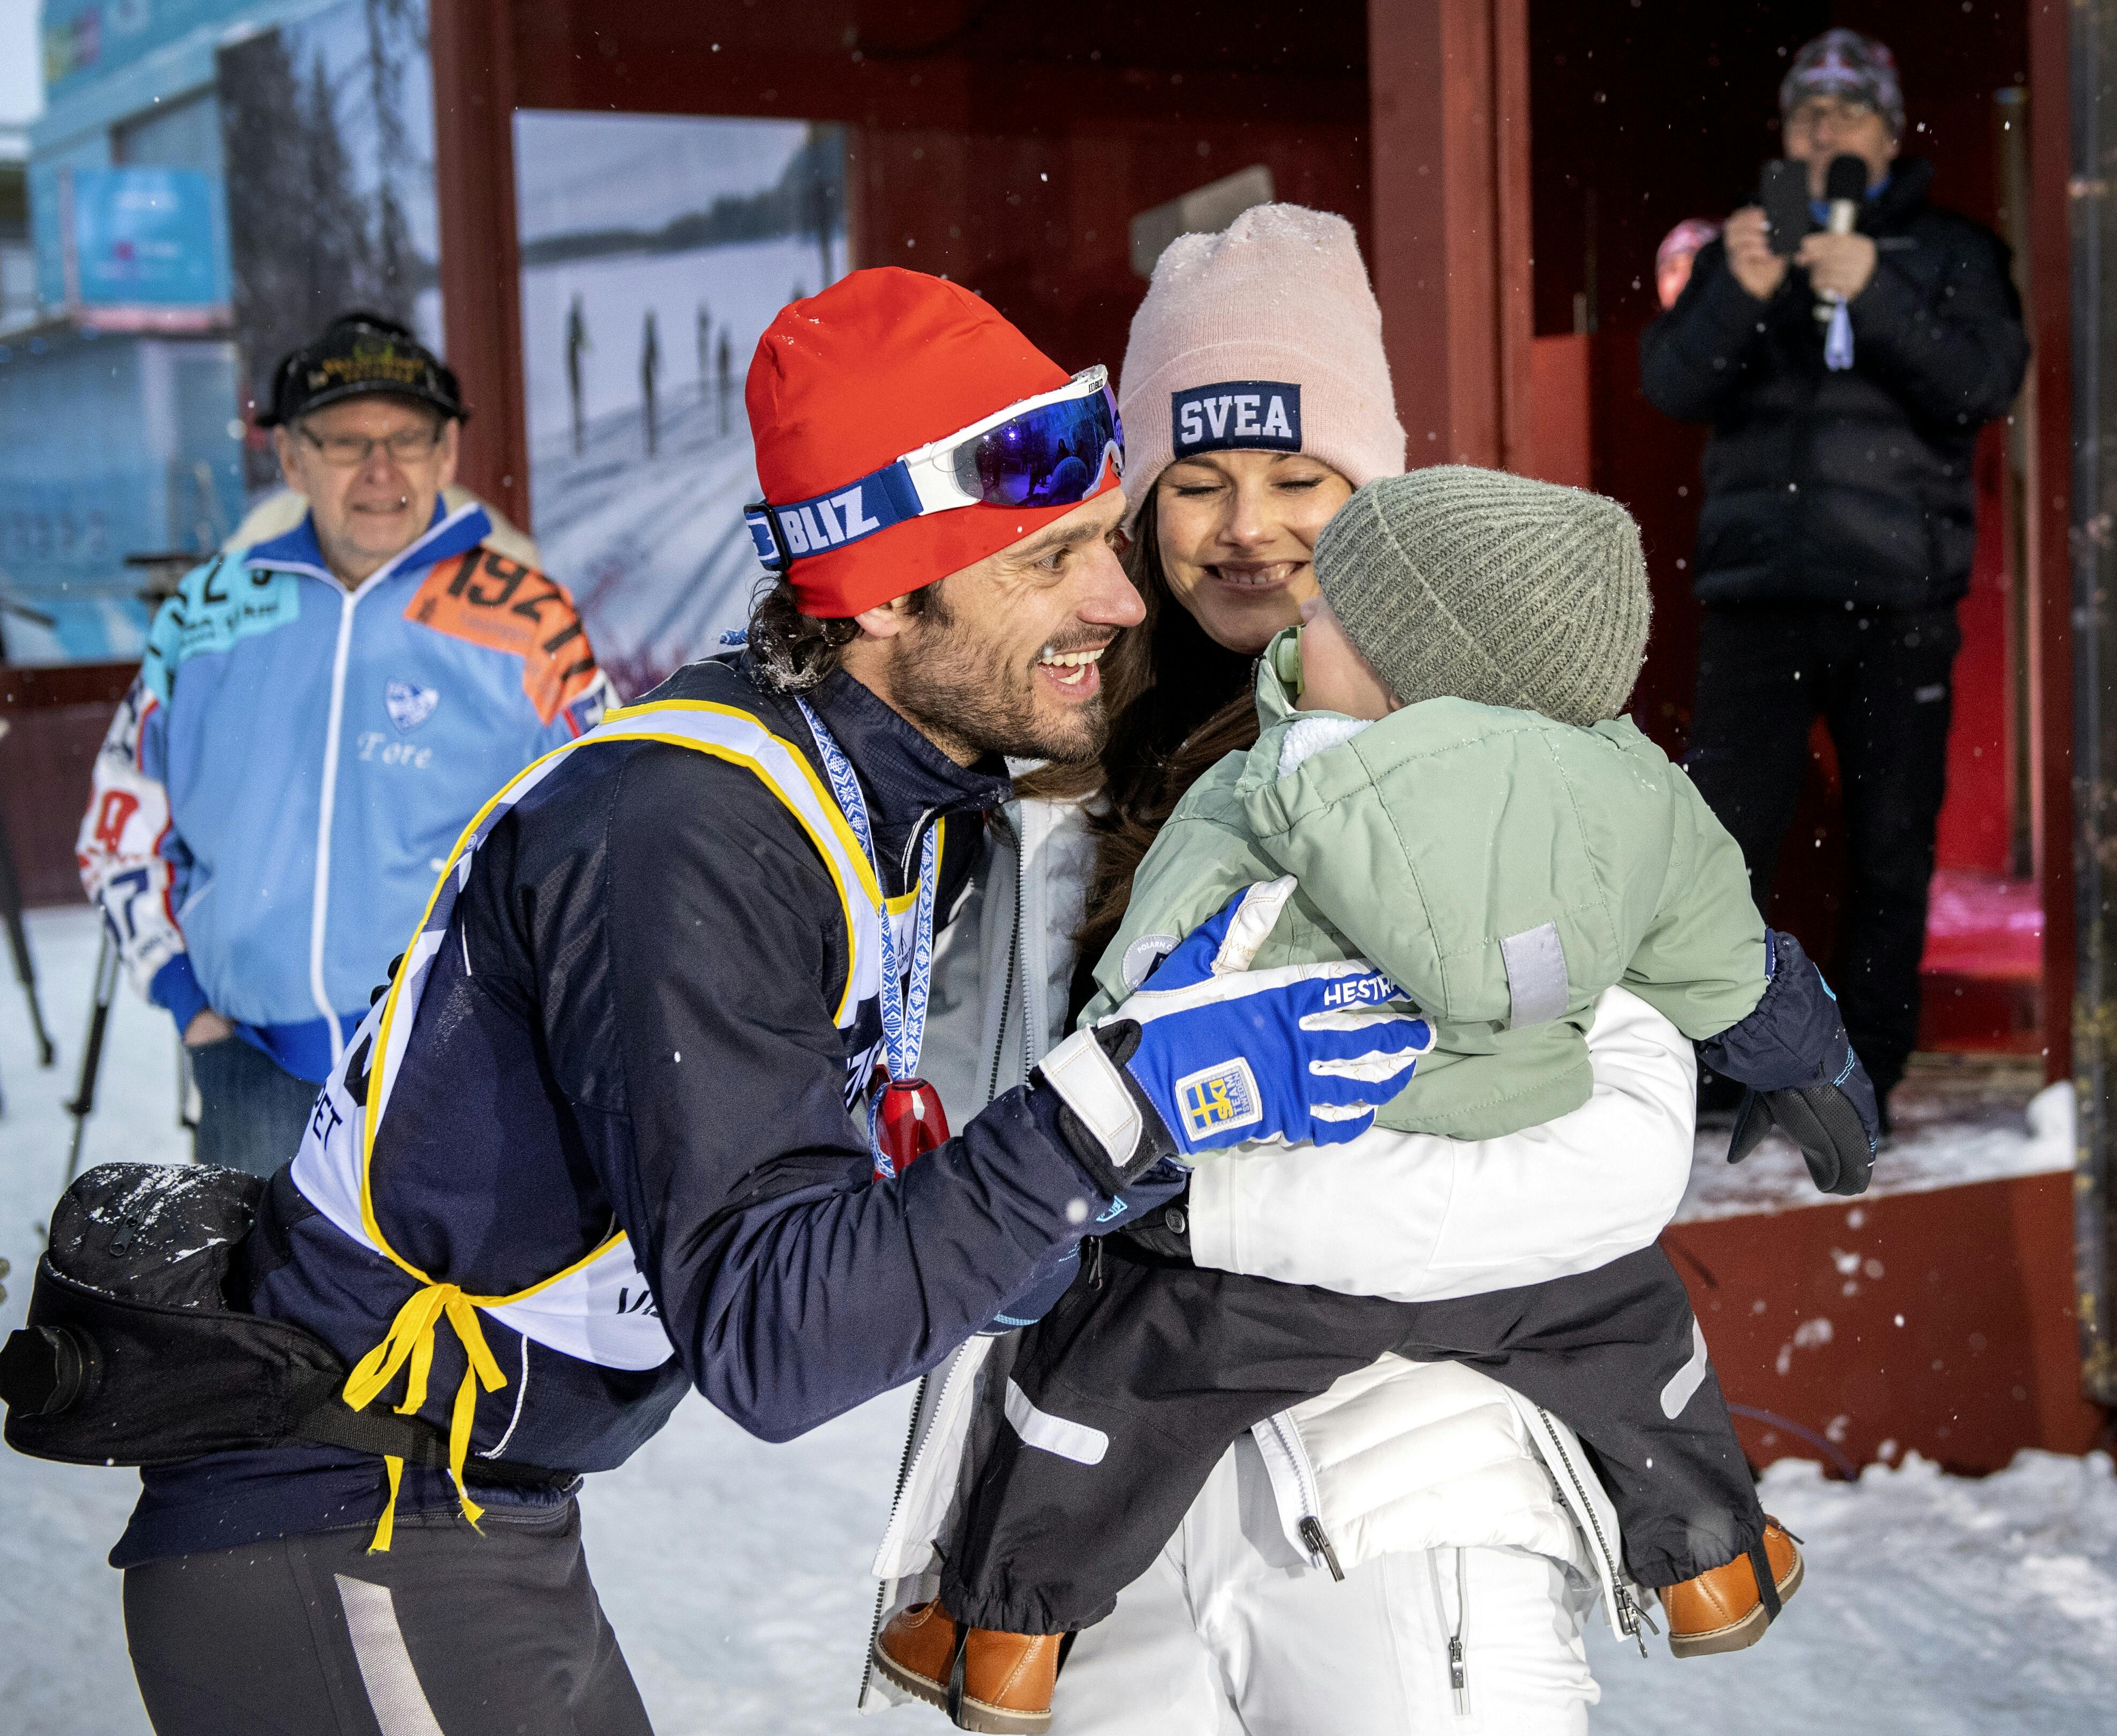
[1475, 585]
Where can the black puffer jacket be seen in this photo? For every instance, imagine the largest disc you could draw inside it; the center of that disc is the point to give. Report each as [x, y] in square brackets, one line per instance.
[1852, 486]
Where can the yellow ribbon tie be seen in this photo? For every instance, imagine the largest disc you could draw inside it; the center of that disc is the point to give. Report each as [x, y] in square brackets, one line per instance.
[410, 1340]
[386, 1527]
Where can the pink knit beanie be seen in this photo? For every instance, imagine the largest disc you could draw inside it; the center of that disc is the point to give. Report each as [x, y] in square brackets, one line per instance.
[1263, 337]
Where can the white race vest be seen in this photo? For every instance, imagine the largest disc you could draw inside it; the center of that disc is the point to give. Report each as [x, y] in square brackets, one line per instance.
[598, 1310]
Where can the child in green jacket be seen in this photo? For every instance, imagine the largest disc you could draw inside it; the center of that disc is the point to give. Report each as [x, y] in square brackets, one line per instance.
[1441, 772]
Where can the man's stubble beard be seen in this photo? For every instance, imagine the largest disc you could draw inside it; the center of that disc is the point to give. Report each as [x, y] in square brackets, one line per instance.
[960, 698]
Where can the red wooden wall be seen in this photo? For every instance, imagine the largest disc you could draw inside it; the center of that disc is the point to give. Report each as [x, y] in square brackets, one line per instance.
[1007, 148]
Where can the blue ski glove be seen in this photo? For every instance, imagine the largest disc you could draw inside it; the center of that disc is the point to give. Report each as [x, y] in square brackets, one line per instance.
[1228, 1055]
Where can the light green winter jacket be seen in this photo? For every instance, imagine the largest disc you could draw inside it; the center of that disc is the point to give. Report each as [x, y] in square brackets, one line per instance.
[1502, 869]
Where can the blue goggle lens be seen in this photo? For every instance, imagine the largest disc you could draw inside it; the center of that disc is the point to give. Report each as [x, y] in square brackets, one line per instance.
[1050, 456]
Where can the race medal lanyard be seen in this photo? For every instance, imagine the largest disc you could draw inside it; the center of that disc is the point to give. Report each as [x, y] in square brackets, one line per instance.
[905, 1118]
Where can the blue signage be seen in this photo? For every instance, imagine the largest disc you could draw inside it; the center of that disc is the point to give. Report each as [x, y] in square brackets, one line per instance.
[87, 40]
[143, 237]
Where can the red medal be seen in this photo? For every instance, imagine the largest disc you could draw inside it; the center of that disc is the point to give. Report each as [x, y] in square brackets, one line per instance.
[908, 1123]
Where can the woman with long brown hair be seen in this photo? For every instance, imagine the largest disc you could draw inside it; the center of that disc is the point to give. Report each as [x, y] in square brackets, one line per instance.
[1255, 397]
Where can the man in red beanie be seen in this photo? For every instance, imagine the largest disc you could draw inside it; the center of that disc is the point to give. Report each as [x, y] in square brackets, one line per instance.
[639, 1109]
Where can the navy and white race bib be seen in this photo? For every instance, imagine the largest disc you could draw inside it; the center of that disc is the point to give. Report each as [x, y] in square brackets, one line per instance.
[1237, 416]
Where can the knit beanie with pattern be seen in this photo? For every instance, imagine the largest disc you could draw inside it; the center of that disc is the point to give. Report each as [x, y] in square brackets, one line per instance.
[1844, 63]
[1476, 584]
[1264, 337]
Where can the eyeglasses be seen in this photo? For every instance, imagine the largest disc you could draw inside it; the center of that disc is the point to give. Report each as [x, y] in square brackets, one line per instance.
[1840, 112]
[346, 452]
[1048, 451]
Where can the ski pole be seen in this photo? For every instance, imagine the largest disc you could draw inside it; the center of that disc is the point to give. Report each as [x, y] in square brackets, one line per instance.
[91, 1053]
[186, 1090]
[18, 942]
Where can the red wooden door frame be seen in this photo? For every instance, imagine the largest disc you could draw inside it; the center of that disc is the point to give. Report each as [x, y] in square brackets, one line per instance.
[474, 92]
[1448, 132]
[2051, 515]
[1451, 249]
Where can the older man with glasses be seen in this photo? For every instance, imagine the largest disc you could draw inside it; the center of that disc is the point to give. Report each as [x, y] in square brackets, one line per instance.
[1845, 364]
[316, 719]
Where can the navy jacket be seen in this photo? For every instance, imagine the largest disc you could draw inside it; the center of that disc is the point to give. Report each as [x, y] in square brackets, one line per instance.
[631, 1025]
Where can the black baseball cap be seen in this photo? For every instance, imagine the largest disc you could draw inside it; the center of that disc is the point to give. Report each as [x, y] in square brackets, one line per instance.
[361, 355]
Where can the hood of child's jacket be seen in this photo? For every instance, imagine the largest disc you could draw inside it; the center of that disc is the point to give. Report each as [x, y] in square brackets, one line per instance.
[1470, 815]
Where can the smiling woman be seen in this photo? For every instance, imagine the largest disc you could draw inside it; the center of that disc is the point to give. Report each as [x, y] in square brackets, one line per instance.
[1255, 397]
[1235, 532]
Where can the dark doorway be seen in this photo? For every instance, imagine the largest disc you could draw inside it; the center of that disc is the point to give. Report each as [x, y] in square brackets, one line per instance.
[1645, 112]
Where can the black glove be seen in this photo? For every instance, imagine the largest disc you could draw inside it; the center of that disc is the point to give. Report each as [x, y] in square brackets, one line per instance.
[1822, 1120]
[1154, 1164]
[1803, 1077]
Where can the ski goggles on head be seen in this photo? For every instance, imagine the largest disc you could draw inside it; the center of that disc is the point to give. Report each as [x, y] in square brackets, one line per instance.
[1048, 451]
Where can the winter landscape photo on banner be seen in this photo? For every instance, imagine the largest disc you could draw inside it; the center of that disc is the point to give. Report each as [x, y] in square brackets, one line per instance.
[655, 250]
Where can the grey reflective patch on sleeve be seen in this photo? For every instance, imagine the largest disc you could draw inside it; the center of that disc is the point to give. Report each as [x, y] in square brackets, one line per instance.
[1537, 989]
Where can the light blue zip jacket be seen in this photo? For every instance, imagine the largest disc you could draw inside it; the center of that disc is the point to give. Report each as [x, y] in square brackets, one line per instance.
[294, 762]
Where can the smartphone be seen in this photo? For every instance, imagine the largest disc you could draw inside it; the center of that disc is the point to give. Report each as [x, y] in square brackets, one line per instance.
[1782, 191]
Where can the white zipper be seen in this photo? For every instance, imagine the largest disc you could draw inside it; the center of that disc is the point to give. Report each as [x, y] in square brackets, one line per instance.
[1459, 1665]
[319, 902]
[914, 1450]
[320, 905]
[1628, 1614]
[1287, 1436]
[896, 1501]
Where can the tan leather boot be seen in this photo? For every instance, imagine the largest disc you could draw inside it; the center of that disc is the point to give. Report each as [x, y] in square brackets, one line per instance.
[985, 1680]
[1728, 1608]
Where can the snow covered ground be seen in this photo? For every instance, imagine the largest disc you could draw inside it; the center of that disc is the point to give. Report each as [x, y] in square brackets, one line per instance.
[1957, 1118]
[735, 1571]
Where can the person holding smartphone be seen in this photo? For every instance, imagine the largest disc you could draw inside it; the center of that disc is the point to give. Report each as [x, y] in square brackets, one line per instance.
[1839, 514]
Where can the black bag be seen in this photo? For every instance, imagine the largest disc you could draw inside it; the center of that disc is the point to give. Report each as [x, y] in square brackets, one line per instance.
[135, 1352]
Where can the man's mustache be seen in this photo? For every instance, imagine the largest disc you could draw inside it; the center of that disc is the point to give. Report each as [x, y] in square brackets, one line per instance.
[1084, 641]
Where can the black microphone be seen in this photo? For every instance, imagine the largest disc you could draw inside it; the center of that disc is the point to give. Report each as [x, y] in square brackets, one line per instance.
[1844, 186]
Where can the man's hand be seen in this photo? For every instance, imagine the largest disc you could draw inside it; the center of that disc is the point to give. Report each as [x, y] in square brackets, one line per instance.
[1748, 239]
[1837, 264]
[206, 1026]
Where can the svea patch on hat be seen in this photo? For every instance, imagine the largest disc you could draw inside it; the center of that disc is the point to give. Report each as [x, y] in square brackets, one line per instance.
[1237, 416]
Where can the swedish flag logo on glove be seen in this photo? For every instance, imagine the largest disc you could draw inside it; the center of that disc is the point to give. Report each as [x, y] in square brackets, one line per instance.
[1218, 1099]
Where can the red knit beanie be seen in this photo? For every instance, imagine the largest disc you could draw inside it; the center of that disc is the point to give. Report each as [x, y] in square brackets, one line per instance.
[847, 381]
